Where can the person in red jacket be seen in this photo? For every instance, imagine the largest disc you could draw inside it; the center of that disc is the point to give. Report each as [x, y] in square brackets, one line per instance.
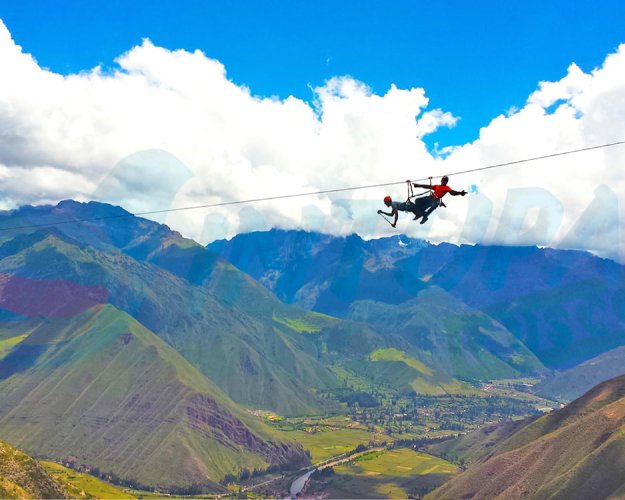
[435, 199]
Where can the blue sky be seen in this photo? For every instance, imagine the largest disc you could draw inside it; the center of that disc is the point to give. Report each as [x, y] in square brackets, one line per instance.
[474, 59]
[160, 125]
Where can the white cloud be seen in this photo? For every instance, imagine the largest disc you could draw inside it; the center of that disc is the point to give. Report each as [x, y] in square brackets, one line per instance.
[167, 128]
[581, 110]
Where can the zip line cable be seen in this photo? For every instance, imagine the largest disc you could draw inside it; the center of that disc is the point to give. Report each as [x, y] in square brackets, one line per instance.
[553, 155]
[211, 205]
[313, 193]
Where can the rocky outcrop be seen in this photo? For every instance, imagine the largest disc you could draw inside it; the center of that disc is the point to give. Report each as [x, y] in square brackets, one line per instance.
[208, 418]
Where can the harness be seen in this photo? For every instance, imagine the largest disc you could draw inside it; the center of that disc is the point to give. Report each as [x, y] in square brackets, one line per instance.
[429, 193]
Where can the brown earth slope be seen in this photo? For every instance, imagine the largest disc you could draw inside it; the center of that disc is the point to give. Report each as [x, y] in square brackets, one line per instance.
[575, 452]
[23, 477]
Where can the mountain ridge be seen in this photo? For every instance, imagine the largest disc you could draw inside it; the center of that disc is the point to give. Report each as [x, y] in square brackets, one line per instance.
[109, 393]
[566, 306]
[574, 452]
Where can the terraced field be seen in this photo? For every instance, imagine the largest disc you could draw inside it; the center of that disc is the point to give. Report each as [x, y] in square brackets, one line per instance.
[81, 485]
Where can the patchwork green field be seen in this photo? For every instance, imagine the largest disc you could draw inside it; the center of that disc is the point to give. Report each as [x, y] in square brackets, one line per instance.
[395, 473]
[81, 485]
[327, 442]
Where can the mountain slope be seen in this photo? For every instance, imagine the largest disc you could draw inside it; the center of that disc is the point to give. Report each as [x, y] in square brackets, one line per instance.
[449, 336]
[262, 353]
[101, 388]
[323, 273]
[23, 477]
[226, 326]
[572, 383]
[564, 306]
[575, 452]
[363, 281]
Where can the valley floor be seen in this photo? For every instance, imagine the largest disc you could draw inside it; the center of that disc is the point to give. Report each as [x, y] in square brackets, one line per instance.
[375, 452]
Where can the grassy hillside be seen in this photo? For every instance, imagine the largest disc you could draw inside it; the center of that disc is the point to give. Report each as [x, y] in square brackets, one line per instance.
[102, 389]
[232, 329]
[575, 452]
[262, 353]
[394, 367]
[23, 477]
[449, 336]
[476, 445]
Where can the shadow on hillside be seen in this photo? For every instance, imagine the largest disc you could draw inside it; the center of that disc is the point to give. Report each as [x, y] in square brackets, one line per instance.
[20, 359]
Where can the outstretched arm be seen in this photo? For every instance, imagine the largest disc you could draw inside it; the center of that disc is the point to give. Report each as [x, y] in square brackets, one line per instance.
[457, 193]
[391, 214]
[424, 186]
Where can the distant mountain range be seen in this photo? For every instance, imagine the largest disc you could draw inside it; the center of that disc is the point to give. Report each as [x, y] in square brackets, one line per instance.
[577, 452]
[127, 347]
[564, 306]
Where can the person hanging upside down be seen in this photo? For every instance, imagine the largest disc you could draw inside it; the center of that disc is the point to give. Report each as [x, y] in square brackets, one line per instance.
[435, 198]
[396, 207]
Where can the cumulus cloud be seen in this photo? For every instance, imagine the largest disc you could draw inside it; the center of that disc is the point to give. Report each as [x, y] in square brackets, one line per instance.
[579, 198]
[167, 128]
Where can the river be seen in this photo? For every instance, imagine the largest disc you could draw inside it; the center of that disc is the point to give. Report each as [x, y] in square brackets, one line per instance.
[300, 482]
[298, 485]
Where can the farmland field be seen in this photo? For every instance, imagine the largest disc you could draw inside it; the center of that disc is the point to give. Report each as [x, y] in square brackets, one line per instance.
[83, 485]
[395, 473]
[327, 442]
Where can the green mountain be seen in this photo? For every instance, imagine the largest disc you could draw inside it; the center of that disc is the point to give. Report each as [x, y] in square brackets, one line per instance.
[261, 352]
[565, 306]
[449, 336]
[99, 389]
[231, 328]
[577, 452]
[23, 477]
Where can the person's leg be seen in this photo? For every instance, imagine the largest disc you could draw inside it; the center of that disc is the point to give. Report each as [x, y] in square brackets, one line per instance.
[433, 205]
[418, 207]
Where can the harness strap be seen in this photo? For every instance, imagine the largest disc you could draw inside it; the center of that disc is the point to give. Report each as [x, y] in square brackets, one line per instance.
[410, 191]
